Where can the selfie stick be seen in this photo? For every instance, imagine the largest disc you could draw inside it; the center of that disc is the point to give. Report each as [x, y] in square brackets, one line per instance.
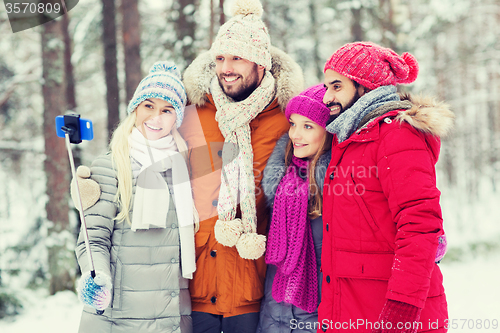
[67, 131]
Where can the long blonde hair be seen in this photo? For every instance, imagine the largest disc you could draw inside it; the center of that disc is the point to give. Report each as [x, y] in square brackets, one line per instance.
[120, 158]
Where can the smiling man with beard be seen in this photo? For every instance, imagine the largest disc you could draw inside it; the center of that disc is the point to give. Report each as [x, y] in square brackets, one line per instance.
[239, 89]
[347, 92]
[381, 214]
[238, 77]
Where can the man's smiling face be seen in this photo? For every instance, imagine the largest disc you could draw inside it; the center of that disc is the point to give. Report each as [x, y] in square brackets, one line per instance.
[238, 77]
[341, 92]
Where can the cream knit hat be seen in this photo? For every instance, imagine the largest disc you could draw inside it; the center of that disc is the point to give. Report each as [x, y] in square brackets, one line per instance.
[245, 35]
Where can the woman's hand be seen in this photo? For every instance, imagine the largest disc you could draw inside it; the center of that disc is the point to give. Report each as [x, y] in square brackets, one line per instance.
[95, 292]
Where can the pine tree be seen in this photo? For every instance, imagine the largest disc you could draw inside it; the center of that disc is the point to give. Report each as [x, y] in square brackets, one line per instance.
[56, 161]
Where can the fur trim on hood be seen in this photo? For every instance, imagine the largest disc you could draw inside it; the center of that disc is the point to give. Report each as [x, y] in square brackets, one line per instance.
[423, 113]
[286, 72]
[275, 169]
[428, 115]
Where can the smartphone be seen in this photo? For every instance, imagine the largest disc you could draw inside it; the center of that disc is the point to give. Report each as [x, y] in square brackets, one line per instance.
[79, 128]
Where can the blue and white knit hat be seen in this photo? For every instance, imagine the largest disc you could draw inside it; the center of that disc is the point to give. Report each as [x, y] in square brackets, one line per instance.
[163, 82]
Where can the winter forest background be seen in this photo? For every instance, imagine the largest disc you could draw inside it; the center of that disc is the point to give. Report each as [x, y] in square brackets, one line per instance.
[91, 60]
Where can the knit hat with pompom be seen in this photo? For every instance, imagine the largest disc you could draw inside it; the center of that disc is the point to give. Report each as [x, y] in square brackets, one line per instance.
[245, 34]
[372, 65]
[163, 82]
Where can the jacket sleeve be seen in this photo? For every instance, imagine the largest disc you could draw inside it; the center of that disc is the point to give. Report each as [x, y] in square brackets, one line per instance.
[275, 170]
[99, 219]
[406, 169]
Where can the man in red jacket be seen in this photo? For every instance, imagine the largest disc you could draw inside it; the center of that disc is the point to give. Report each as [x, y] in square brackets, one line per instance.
[381, 213]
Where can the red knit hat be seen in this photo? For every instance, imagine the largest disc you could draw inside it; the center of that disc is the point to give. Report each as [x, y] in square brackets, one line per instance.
[309, 104]
[372, 65]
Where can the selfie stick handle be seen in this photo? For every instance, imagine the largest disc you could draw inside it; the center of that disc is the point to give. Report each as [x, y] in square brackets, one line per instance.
[79, 202]
[67, 131]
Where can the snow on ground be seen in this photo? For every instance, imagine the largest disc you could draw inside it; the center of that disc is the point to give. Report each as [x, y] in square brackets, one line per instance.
[472, 288]
[473, 293]
[45, 314]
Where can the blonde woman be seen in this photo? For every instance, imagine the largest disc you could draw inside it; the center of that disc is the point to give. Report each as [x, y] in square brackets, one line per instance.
[141, 229]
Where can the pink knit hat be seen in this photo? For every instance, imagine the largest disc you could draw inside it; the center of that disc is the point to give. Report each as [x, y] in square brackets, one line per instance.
[309, 104]
[373, 66]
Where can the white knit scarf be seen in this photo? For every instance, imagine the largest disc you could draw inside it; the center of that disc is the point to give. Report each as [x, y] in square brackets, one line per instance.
[152, 196]
[237, 177]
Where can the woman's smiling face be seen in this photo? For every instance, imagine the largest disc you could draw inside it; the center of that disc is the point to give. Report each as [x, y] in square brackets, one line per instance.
[307, 136]
[155, 118]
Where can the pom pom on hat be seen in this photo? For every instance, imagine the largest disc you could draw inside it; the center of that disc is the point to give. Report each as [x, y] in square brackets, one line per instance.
[163, 82]
[372, 65]
[245, 34]
[246, 7]
[309, 104]
[413, 64]
[165, 66]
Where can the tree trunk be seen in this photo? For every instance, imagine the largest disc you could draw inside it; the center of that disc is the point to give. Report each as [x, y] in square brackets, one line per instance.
[314, 33]
[388, 23]
[185, 27]
[212, 24]
[222, 17]
[70, 79]
[493, 106]
[131, 46]
[56, 161]
[68, 66]
[110, 66]
[448, 151]
[356, 28]
[71, 105]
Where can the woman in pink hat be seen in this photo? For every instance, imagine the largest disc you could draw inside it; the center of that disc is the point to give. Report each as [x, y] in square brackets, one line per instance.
[293, 181]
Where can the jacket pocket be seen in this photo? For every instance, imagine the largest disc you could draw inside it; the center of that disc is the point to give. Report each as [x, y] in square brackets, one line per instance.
[370, 266]
[359, 299]
[199, 285]
[116, 272]
[253, 286]
[368, 216]
[361, 286]
[200, 242]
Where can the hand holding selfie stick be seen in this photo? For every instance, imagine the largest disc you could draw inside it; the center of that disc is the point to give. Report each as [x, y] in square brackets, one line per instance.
[94, 294]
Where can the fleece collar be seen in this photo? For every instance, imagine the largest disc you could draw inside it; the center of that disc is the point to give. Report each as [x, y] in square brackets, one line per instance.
[286, 72]
[423, 113]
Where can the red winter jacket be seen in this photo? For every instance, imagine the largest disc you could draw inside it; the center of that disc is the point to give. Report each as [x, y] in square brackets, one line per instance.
[382, 220]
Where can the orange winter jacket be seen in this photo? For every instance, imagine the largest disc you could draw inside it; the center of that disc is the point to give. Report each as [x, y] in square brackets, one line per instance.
[224, 283]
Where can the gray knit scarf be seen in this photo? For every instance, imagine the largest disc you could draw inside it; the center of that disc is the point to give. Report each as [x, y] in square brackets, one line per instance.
[347, 122]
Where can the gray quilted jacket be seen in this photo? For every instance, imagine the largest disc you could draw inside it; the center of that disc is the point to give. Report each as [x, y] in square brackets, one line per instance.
[284, 317]
[149, 292]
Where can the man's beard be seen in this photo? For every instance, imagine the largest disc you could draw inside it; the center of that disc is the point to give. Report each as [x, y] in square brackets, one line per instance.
[353, 100]
[246, 88]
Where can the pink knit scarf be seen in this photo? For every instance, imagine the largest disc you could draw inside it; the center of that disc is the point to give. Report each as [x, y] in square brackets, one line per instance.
[290, 244]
